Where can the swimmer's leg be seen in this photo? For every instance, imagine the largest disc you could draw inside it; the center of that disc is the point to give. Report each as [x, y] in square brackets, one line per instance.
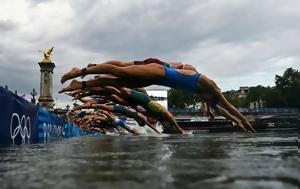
[100, 82]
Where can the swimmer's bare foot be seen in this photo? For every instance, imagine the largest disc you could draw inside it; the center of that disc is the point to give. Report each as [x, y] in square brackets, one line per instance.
[75, 72]
[74, 94]
[74, 85]
[91, 65]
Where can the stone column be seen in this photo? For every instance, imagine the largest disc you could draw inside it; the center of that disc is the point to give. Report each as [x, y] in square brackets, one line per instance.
[46, 99]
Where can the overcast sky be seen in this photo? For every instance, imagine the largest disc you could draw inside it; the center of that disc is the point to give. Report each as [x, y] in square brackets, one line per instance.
[235, 42]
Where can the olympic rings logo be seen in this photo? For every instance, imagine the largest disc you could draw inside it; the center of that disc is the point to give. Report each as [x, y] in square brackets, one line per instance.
[23, 127]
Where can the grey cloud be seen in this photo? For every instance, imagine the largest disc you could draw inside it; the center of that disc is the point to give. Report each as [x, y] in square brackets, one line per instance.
[6, 26]
[166, 29]
[140, 31]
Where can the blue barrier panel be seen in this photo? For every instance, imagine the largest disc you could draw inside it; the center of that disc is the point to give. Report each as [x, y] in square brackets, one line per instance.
[18, 118]
[23, 122]
[52, 127]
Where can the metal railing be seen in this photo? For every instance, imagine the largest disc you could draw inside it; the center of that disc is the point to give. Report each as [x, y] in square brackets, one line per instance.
[185, 110]
[269, 110]
[243, 110]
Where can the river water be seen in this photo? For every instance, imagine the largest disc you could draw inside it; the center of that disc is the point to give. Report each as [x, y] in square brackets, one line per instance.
[206, 160]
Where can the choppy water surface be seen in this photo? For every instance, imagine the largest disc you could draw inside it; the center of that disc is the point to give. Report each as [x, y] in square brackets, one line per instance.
[264, 160]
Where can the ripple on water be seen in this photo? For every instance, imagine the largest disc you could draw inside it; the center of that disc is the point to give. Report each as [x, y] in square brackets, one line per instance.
[207, 160]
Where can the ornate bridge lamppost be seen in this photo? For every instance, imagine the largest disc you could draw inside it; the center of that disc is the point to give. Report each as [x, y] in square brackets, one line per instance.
[47, 67]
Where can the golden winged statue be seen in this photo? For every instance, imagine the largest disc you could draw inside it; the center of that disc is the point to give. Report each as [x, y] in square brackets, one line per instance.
[47, 55]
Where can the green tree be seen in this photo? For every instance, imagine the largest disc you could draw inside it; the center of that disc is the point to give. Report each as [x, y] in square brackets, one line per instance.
[175, 99]
[255, 94]
[289, 85]
[274, 99]
[233, 98]
[181, 99]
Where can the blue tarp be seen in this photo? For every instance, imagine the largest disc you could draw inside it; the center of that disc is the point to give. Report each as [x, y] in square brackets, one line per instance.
[23, 122]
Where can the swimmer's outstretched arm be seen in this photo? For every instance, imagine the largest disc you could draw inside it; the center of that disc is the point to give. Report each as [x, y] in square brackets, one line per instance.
[233, 111]
[170, 118]
[122, 124]
[152, 127]
[227, 115]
